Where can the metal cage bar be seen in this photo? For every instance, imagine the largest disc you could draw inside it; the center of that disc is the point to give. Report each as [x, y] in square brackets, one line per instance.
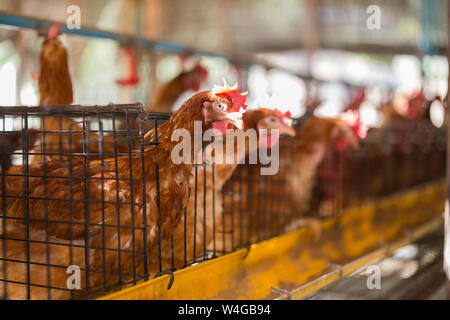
[248, 209]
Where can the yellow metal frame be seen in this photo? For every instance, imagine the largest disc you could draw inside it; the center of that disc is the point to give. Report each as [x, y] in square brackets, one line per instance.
[362, 262]
[298, 263]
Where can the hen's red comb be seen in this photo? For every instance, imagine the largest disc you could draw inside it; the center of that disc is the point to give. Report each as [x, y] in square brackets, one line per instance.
[352, 118]
[358, 99]
[238, 99]
[417, 95]
[285, 116]
[53, 31]
[201, 69]
[414, 103]
[312, 104]
[35, 75]
[360, 96]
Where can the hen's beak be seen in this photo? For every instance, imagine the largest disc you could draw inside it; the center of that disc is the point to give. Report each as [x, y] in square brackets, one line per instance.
[287, 130]
[235, 118]
[239, 124]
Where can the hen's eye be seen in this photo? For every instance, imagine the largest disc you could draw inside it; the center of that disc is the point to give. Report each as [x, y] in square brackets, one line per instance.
[273, 120]
[221, 106]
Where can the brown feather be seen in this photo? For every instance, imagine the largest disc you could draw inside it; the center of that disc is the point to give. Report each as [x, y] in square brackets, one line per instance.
[103, 212]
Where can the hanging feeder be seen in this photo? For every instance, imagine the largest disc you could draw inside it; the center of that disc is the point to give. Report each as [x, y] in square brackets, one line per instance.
[132, 78]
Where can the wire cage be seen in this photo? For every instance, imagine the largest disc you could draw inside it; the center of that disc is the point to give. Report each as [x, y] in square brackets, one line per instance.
[68, 230]
[402, 157]
[61, 205]
[254, 206]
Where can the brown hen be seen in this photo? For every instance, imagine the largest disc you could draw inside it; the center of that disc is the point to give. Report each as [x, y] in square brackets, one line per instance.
[55, 88]
[201, 227]
[101, 206]
[316, 137]
[165, 97]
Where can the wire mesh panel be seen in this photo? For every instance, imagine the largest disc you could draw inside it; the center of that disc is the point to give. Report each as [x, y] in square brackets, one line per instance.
[402, 158]
[255, 206]
[81, 196]
[73, 201]
[192, 239]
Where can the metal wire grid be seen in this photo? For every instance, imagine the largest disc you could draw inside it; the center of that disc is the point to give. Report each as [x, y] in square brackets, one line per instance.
[255, 207]
[76, 164]
[249, 208]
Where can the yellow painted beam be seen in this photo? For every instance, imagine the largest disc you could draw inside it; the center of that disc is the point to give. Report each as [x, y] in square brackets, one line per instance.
[362, 262]
[296, 262]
